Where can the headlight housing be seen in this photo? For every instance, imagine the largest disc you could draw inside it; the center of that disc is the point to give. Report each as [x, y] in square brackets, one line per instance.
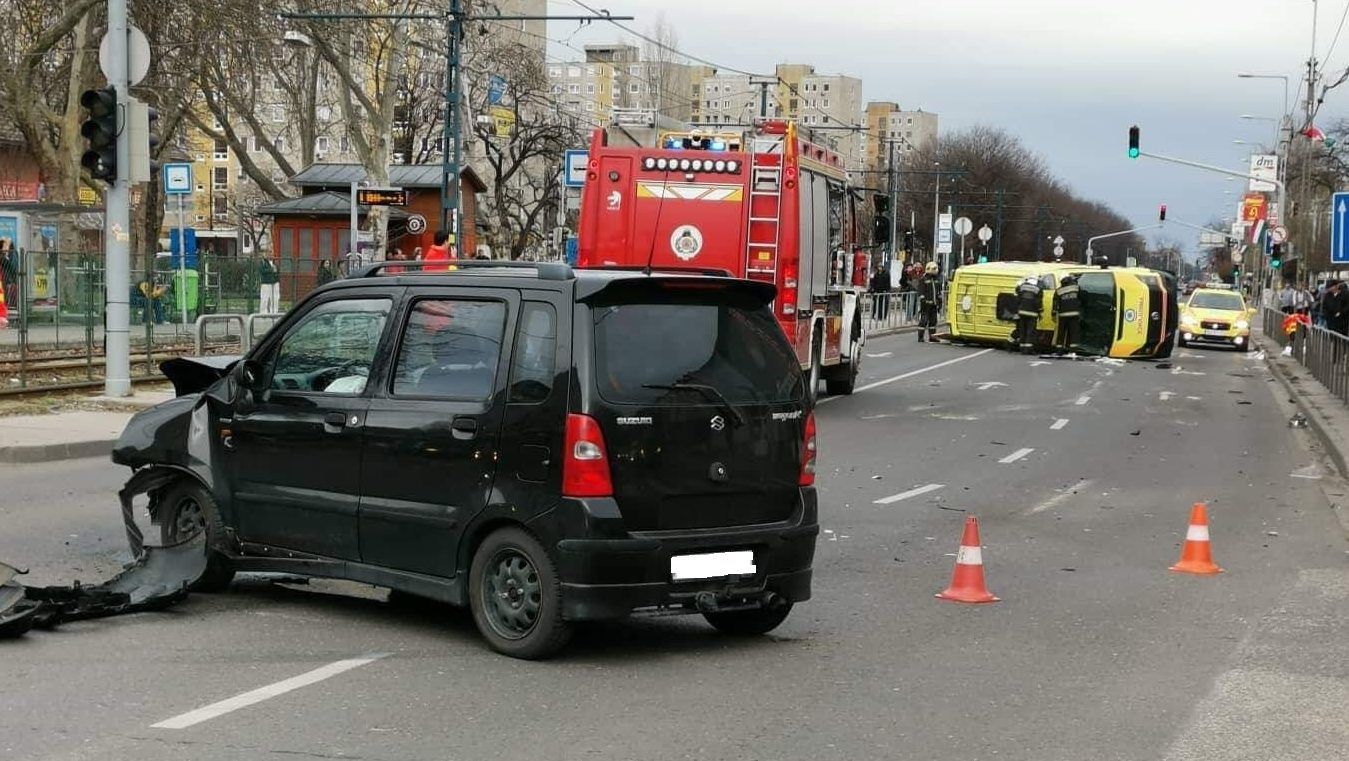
[1242, 325]
[1188, 319]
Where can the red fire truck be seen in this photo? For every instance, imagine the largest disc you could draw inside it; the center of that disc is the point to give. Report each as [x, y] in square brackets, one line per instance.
[767, 204]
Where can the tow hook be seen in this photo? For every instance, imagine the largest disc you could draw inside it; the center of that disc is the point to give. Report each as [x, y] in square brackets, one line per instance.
[711, 602]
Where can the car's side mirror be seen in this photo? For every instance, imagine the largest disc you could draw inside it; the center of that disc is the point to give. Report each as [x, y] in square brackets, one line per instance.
[251, 375]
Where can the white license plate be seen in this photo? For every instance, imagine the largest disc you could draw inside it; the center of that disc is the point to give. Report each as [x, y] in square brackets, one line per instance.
[1216, 333]
[713, 565]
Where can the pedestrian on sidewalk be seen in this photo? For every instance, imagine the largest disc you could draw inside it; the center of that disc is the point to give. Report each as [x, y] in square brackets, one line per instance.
[880, 292]
[1286, 296]
[9, 271]
[269, 286]
[1068, 309]
[440, 252]
[326, 274]
[929, 303]
[1029, 304]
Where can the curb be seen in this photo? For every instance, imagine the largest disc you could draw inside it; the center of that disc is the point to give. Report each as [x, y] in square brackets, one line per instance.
[1335, 443]
[71, 450]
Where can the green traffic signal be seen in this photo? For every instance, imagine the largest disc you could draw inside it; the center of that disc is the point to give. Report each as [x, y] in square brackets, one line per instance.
[1276, 256]
[1133, 142]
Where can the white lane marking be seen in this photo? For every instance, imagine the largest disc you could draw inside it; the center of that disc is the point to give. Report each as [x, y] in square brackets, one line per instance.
[1081, 400]
[246, 699]
[1058, 499]
[1165, 395]
[986, 385]
[1178, 370]
[907, 494]
[1059, 424]
[878, 355]
[1040, 362]
[909, 374]
[1017, 455]
[1194, 398]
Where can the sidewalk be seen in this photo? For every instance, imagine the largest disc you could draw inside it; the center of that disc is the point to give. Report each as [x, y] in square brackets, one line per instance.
[1327, 416]
[67, 435]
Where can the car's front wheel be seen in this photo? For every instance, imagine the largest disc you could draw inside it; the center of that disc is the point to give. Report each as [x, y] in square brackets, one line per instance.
[516, 596]
[188, 512]
[749, 622]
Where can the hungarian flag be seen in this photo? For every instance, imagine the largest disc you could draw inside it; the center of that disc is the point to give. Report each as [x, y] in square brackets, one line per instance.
[1314, 133]
[1257, 229]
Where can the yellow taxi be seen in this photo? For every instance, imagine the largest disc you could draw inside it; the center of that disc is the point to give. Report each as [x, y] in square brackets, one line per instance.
[1216, 315]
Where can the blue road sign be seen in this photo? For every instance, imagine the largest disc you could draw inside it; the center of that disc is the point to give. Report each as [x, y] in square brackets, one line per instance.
[574, 168]
[177, 179]
[191, 238]
[1339, 228]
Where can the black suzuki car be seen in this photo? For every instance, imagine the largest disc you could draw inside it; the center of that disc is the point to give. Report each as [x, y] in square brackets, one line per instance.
[545, 446]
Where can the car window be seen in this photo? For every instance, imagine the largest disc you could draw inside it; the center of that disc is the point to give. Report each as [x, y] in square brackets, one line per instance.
[641, 350]
[1217, 300]
[332, 348]
[450, 349]
[533, 368]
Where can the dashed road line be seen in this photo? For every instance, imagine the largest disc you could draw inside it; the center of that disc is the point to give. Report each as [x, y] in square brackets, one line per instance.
[206, 713]
[1060, 498]
[1082, 400]
[1059, 424]
[907, 494]
[909, 374]
[1017, 455]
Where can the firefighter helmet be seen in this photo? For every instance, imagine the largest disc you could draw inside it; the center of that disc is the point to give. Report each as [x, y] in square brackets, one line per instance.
[931, 268]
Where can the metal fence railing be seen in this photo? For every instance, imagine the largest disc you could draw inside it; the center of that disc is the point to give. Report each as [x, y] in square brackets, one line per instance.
[57, 310]
[1323, 352]
[888, 311]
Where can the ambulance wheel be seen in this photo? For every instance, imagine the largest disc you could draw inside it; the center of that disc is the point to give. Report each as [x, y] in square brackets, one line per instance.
[187, 512]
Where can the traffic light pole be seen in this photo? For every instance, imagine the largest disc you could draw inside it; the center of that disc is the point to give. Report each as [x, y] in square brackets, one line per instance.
[1087, 254]
[117, 220]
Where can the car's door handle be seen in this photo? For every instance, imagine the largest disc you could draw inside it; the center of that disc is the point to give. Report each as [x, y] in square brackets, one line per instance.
[335, 419]
[464, 428]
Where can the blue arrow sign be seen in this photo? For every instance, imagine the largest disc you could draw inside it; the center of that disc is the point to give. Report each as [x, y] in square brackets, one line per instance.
[1339, 228]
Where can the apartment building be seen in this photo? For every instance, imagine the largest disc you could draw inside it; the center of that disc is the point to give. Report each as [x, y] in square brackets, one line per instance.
[615, 78]
[886, 122]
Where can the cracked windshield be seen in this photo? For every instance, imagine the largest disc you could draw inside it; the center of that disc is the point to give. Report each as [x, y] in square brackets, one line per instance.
[429, 380]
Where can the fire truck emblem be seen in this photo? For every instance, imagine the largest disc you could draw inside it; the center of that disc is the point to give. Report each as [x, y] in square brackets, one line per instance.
[686, 241]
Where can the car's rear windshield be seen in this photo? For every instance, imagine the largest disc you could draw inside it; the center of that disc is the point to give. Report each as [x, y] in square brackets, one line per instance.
[642, 350]
[1216, 300]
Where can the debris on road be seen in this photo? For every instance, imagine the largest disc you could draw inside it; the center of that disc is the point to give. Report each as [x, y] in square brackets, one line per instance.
[1297, 421]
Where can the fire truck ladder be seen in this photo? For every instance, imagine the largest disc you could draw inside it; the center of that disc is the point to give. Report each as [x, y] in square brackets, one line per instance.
[765, 208]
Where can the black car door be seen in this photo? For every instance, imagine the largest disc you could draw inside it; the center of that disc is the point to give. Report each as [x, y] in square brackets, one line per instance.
[296, 445]
[430, 449]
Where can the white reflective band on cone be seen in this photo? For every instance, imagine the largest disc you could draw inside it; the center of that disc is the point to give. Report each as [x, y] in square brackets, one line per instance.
[970, 556]
[1197, 534]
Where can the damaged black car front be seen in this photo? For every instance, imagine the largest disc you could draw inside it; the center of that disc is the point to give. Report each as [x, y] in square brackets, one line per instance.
[172, 451]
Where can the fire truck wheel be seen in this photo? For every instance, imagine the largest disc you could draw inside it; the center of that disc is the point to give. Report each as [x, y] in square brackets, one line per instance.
[813, 375]
[843, 379]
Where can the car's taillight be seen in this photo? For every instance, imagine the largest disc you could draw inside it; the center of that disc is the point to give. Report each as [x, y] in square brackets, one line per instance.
[808, 452]
[585, 469]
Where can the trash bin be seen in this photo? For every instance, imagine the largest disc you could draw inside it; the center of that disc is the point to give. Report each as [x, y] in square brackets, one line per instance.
[184, 287]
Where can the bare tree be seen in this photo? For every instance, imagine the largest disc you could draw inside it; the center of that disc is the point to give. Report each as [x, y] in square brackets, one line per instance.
[524, 159]
[666, 71]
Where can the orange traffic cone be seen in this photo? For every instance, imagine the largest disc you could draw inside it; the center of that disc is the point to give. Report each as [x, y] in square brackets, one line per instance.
[1197, 555]
[967, 581]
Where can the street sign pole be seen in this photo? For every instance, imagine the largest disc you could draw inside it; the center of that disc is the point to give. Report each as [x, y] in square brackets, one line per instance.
[117, 221]
[182, 259]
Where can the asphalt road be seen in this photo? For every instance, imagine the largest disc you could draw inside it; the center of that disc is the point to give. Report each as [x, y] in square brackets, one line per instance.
[1081, 474]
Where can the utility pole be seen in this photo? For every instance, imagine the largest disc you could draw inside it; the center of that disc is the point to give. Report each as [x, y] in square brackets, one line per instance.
[763, 84]
[894, 200]
[451, 153]
[117, 218]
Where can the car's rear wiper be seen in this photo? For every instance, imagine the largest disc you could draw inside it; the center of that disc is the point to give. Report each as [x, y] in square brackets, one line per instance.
[709, 391]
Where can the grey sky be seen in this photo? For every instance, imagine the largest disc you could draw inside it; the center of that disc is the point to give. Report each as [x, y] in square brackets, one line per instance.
[1067, 77]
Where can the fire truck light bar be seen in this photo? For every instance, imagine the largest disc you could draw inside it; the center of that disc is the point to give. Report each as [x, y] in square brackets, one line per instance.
[685, 165]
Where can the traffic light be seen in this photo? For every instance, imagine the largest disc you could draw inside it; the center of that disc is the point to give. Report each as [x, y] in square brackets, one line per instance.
[1161, 213]
[880, 234]
[100, 129]
[1133, 142]
[1276, 256]
[141, 141]
[908, 241]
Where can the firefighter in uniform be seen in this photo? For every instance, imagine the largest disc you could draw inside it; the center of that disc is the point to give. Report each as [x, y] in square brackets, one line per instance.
[1068, 309]
[1028, 306]
[929, 302]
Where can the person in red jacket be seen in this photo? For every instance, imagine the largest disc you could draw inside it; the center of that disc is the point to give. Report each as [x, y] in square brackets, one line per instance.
[438, 252]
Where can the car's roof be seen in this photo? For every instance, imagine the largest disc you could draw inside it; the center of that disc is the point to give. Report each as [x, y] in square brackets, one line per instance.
[547, 275]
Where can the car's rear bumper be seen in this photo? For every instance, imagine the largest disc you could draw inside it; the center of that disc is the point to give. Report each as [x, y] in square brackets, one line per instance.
[612, 576]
